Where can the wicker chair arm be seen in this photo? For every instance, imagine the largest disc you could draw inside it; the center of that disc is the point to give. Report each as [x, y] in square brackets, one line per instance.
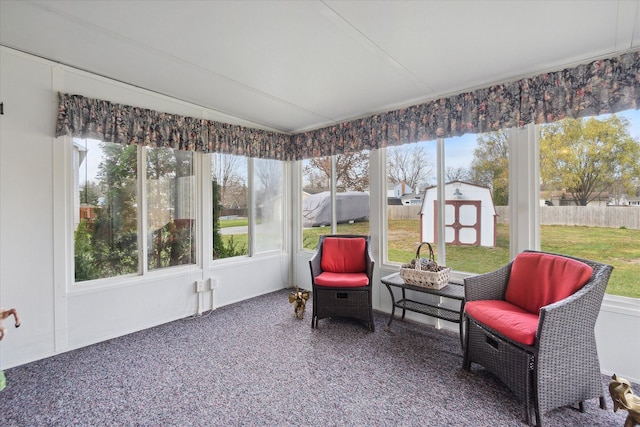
[488, 286]
[370, 262]
[314, 263]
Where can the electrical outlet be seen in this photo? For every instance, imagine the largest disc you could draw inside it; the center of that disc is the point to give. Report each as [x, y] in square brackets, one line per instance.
[213, 283]
[199, 285]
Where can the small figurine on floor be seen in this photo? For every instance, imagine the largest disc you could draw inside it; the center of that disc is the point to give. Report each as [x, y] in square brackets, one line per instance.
[3, 315]
[299, 300]
[623, 397]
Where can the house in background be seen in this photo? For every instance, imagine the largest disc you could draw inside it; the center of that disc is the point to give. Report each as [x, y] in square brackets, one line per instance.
[402, 194]
[565, 198]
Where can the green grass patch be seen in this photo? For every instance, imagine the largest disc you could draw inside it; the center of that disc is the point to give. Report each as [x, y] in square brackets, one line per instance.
[618, 247]
[238, 222]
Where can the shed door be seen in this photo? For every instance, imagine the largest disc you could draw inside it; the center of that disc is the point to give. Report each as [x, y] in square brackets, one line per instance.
[462, 222]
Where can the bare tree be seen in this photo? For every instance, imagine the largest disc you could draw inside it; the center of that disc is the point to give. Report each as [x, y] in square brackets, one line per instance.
[268, 187]
[457, 174]
[352, 172]
[409, 164]
[268, 175]
[225, 169]
[316, 173]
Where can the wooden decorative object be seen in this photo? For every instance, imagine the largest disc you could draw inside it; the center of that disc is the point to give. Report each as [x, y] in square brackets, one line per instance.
[623, 397]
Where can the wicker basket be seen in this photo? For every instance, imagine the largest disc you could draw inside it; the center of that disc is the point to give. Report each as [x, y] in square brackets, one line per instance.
[426, 274]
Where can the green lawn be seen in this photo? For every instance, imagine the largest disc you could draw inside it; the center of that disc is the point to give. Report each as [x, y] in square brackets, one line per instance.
[617, 247]
[238, 222]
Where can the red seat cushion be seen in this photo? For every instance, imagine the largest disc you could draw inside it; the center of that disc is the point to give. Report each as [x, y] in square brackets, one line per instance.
[538, 279]
[510, 320]
[343, 255]
[342, 280]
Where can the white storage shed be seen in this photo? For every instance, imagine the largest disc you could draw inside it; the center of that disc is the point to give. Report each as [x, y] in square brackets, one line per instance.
[470, 216]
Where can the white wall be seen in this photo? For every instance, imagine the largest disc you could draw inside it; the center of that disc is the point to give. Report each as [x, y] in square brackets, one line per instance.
[36, 212]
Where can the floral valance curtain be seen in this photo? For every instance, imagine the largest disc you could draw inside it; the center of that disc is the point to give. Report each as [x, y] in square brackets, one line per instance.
[603, 86]
[83, 117]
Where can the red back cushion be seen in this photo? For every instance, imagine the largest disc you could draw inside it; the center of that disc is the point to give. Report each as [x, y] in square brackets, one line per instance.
[343, 255]
[538, 279]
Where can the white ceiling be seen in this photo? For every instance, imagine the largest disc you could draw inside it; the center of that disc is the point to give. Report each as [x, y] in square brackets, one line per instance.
[299, 65]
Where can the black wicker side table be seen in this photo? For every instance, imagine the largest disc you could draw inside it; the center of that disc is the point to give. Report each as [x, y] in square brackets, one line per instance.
[454, 291]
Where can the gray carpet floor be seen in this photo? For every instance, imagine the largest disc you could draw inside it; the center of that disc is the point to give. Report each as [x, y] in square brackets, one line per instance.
[254, 364]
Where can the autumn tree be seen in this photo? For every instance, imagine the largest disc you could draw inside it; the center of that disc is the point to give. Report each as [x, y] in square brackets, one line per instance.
[409, 164]
[490, 165]
[316, 173]
[352, 172]
[588, 157]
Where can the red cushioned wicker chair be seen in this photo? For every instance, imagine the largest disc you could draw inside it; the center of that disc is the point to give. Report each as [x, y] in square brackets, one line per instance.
[531, 323]
[341, 276]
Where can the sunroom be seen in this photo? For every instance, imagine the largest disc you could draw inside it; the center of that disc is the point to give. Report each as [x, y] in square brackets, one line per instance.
[224, 116]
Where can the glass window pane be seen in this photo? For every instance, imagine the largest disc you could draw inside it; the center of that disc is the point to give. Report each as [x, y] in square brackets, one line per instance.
[411, 169]
[477, 202]
[316, 200]
[106, 209]
[590, 193]
[352, 193]
[229, 176]
[171, 207]
[268, 208]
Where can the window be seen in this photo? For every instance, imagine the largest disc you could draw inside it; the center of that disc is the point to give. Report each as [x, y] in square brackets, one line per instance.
[316, 200]
[229, 175]
[474, 237]
[106, 209]
[410, 171]
[477, 202]
[589, 193]
[171, 207]
[351, 178]
[352, 193]
[268, 207]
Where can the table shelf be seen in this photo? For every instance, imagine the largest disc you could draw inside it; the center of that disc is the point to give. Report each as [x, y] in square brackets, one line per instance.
[453, 291]
[429, 310]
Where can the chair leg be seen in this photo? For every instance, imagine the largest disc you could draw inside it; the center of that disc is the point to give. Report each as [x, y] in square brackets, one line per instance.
[603, 403]
[538, 418]
[466, 363]
[527, 399]
[581, 406]
[532, 389]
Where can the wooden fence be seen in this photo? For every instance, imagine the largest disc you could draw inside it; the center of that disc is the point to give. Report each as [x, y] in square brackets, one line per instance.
[404, 212]
[589, 216]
